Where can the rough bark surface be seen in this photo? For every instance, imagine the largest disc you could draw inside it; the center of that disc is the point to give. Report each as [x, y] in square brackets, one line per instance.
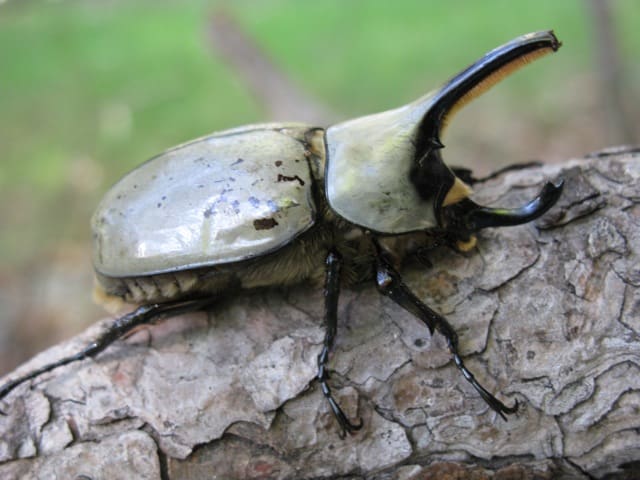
[548, 315]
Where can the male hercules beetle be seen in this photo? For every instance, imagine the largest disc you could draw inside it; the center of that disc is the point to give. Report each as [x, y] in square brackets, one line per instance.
[277, 204]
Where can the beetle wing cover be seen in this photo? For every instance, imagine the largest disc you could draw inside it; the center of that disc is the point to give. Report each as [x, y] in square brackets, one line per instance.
[223, 198]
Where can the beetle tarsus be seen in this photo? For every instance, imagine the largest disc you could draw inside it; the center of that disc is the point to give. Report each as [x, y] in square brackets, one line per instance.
[331, 294]
[495, 404]
[345, 424]
[120, 327]
[390, 284]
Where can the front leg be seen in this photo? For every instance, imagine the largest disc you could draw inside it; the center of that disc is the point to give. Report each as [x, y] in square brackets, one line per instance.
[390, 284]
[331, 294]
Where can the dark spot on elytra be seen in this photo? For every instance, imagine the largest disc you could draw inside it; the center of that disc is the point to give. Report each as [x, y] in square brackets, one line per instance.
[264, 223]
[159, 204]
[285, 178]
[240, 160]
[418, 342]
[272, 205]
[254, 202]
[278, 163]
[236, 206]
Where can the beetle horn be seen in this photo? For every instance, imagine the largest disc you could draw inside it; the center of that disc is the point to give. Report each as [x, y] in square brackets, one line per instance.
[478, 78]
[385, 171]
[483, 217]
[429, 173]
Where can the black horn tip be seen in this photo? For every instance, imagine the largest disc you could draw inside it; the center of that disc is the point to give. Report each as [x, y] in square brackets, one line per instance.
[551, 192]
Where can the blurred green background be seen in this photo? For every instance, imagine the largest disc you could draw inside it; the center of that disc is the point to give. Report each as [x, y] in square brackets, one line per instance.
[89, 89]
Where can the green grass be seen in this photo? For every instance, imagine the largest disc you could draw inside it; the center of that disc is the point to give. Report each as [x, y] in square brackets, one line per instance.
[90, 89]
[66, 64]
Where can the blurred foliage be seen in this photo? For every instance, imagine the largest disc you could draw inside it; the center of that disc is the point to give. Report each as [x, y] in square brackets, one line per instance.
[89, 89]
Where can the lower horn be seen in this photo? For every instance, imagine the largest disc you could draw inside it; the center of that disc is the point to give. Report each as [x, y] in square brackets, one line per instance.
[484, 217]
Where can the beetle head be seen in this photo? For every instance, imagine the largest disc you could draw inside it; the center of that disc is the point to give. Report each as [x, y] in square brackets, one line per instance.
[454, 210]
[385, 171]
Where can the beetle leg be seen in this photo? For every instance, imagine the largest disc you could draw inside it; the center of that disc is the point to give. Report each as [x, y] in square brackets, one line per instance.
[331, 294]
[117, 329]
[390, 284]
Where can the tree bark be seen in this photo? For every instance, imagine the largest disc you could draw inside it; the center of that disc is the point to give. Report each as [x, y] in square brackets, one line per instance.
[548, 314]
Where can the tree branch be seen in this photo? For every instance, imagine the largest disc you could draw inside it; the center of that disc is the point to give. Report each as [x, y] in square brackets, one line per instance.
[548, 314]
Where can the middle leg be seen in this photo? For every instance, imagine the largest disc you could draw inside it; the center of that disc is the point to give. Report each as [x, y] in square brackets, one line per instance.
[331, 294]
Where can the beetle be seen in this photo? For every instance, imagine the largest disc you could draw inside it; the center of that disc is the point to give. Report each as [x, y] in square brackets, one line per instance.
[282, 203]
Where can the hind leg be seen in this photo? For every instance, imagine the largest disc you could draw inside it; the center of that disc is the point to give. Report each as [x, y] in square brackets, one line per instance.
[120, 327]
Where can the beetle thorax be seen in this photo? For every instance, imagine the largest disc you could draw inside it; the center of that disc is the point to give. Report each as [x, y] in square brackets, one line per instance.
[369, 162]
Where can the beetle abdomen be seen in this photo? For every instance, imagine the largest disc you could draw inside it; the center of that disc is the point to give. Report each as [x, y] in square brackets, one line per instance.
[223, 198]
[301, 260]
